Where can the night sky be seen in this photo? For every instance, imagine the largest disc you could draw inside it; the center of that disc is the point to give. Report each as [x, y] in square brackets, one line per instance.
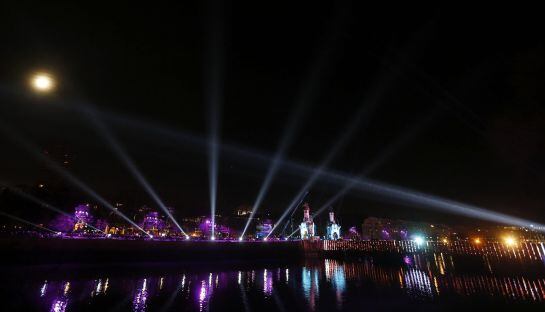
[458, 91]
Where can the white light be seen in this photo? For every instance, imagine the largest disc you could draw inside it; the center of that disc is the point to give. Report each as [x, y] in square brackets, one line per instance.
[42, 82]
[419, 240]
[213, 238]
[240, 239]
[187, 237]
[265, 239]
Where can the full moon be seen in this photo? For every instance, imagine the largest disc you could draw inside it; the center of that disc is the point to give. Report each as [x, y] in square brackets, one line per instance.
[42, 82]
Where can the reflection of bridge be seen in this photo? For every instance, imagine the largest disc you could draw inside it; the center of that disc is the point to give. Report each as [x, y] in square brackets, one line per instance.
[427, 279]
[534, 251]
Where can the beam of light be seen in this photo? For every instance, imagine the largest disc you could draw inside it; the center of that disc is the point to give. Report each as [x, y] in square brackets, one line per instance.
[213, 73]
[417, 199]
[363, 112]
[120, 152]
[292, 233]
[307, 95]
[35, 151]
[363, 185]
[384, 156]
[294, 209]
[26, 222]
[41, 203]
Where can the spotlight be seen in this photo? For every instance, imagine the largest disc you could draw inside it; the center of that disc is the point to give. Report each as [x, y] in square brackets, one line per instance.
[445, 241]
[477, 241]
[213, 238]
[265, 239]
[240, 239]
[187, 237]
[42, 82]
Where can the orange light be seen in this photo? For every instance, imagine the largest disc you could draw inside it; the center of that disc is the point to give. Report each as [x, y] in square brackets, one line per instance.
[445, 241]
[477, 241]
[510, 241]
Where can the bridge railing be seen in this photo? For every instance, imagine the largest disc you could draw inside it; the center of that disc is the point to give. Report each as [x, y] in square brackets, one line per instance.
[524, 250]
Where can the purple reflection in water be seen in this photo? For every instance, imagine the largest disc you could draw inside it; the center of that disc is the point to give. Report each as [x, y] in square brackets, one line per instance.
[139, 302]
[203, 295]
[59, 304]
[267, 282]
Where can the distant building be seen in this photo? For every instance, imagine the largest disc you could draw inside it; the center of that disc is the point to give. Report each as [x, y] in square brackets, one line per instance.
[244, 211]
[263, 229]
[307, 227]
[220, 230]
[82, 217]
[152, 224]
[391, 229]
[333, 229]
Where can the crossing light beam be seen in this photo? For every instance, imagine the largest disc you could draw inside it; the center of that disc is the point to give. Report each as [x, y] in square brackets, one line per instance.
[35, 151]
[120, 152]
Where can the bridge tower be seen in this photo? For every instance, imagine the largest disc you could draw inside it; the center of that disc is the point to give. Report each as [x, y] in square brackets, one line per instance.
[333, 229]
[307, 227]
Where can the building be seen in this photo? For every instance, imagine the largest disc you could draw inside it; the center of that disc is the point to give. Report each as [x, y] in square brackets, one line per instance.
[333, 229]
[263, 229]
[82, 217]
[152, 224]
[391, 229]
[307, 227]
[243, 210]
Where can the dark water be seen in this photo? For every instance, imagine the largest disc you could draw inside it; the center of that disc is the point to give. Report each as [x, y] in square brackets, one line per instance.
[434, 283]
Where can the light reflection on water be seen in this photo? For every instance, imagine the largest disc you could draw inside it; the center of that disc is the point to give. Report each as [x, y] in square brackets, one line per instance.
[319, 285]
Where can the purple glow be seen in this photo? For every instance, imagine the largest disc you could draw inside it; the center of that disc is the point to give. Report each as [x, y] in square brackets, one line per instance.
[62, 223]
[214, 230]
[82, 213]
[152, 222]
[204, 292]
[59, 305]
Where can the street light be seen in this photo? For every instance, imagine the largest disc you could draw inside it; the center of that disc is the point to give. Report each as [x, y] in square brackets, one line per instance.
[42, 82]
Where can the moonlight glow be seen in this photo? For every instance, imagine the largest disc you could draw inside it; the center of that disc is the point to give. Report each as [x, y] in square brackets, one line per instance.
[42, 82]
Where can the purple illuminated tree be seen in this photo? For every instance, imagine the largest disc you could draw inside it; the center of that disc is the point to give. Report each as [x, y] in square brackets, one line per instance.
[62, 223]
